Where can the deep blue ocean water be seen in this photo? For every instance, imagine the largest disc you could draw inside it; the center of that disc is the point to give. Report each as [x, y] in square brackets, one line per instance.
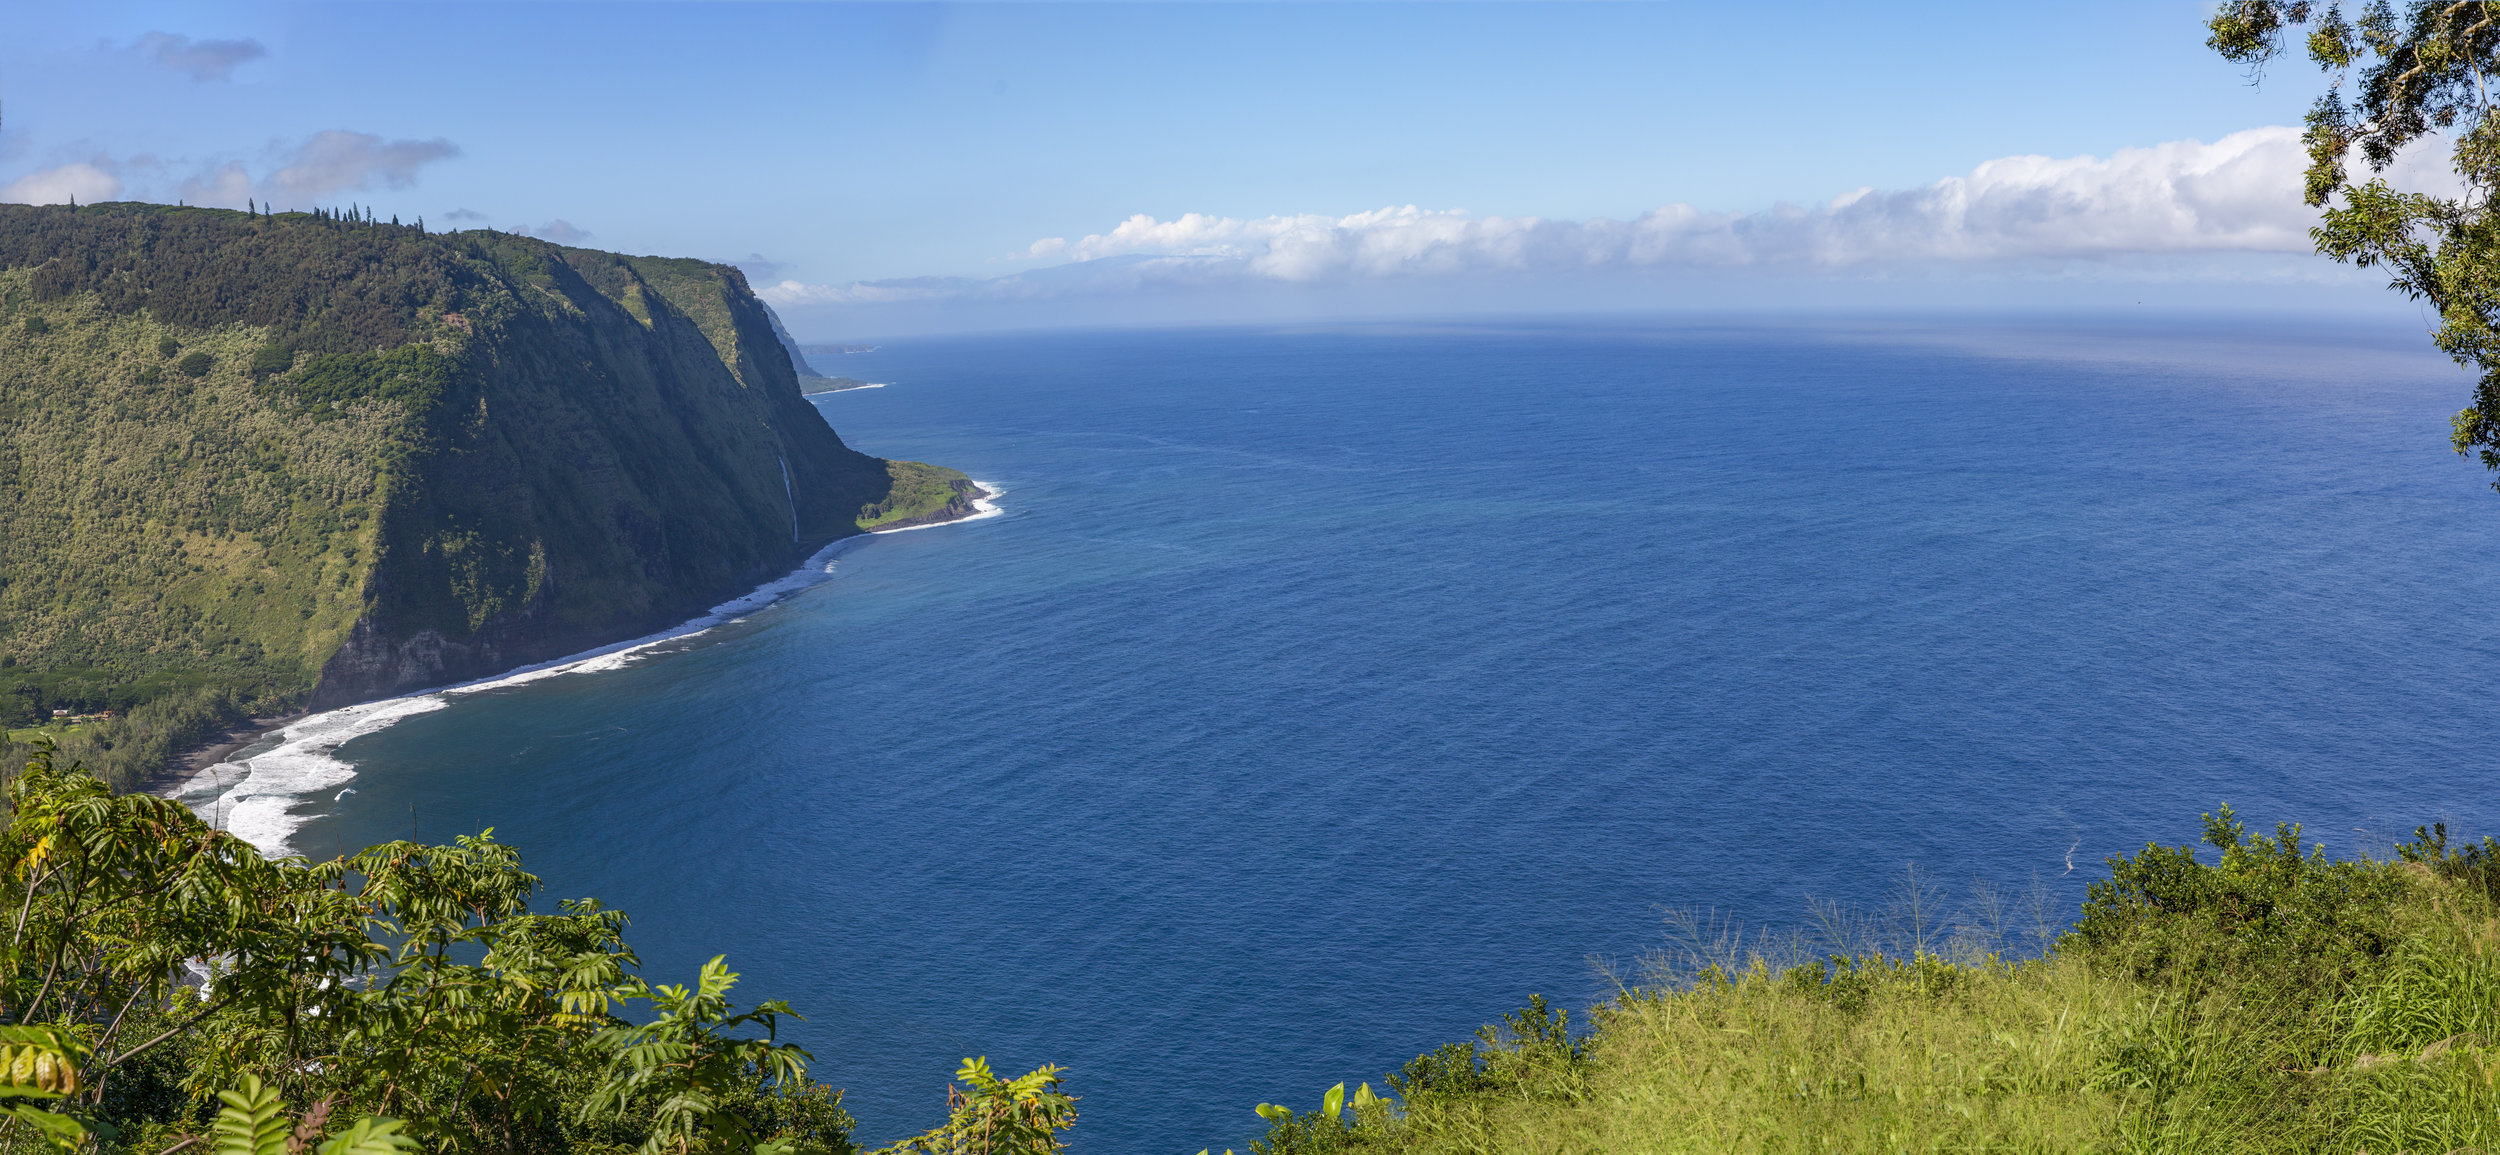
[1324, 692]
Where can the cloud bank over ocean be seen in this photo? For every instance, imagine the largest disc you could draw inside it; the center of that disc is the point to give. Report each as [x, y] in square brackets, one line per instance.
[2158, 209]
[2233, 194]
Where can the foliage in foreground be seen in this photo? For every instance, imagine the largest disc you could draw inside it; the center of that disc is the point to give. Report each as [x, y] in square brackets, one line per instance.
[163, 984]
[989, 1115]
[163, 987]
[2268, 998]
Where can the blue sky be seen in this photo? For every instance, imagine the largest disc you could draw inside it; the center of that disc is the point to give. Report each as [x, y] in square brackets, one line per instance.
[928, 148]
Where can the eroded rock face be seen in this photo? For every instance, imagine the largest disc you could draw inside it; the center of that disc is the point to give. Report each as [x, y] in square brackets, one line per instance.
[371, 665]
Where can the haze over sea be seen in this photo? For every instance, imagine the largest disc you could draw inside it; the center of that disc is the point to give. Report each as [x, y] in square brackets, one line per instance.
[1324, 692]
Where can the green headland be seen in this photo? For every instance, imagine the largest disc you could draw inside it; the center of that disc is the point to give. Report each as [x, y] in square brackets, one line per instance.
[258, 463]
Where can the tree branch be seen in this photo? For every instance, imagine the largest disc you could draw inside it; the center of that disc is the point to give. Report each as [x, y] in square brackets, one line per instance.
[169, 1032]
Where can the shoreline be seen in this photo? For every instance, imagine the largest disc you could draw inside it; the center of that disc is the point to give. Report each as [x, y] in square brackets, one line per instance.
[301, 742]
[186, 763]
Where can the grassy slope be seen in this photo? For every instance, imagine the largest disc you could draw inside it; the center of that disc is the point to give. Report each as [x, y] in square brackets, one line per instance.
[2275, 1002]
[163, 532]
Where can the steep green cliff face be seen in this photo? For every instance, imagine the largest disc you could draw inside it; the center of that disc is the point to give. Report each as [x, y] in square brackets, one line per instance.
[318, 461]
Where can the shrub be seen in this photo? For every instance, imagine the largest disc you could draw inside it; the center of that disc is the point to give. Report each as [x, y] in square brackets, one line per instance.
[275, 357]
[2269, 998]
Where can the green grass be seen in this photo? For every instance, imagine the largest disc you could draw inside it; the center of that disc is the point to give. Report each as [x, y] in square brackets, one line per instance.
[2266, 999]
[29, 734]
[920, 492]
[1922, 1055]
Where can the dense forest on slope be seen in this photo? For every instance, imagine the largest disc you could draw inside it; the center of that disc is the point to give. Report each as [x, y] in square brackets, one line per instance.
[257, 461]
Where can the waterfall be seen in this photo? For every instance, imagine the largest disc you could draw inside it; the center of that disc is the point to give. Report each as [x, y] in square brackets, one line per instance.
[790, 493]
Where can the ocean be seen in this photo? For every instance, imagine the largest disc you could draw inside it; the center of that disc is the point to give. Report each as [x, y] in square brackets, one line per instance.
[1318, 694]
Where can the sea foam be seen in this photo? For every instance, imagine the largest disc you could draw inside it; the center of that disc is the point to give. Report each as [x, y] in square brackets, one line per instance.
[258, 793]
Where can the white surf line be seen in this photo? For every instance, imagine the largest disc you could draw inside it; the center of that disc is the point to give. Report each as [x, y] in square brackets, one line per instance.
[256, 794]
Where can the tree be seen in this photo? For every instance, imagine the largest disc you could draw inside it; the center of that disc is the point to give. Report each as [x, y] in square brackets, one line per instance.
[688, 1069]
[252, 1123]
[151, 965]
[994, 1116]
[2426, 71]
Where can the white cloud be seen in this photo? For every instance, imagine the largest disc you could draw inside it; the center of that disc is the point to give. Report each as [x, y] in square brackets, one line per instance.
[84, 183]
[227, 185]
[201, 60]
[298, 176]
[2239, 194]
[874, 292]
[339, 161]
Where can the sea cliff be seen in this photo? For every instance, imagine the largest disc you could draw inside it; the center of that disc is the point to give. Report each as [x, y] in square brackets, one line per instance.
[312, 459]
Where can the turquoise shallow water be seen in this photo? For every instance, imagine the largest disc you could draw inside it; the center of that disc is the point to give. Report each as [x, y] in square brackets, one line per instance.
[1323, 693]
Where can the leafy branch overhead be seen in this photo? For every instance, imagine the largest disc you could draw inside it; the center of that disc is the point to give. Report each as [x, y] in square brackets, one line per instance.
[2395, 78]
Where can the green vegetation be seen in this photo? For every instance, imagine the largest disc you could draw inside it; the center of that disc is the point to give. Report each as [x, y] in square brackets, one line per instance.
[990, 1114]
[164, 986]
[2421, 73]
[252, 462]
[2273, 1000]
[164, 536]
[2266, 998]
[130, 747]
[408, 987]
[918, 494]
